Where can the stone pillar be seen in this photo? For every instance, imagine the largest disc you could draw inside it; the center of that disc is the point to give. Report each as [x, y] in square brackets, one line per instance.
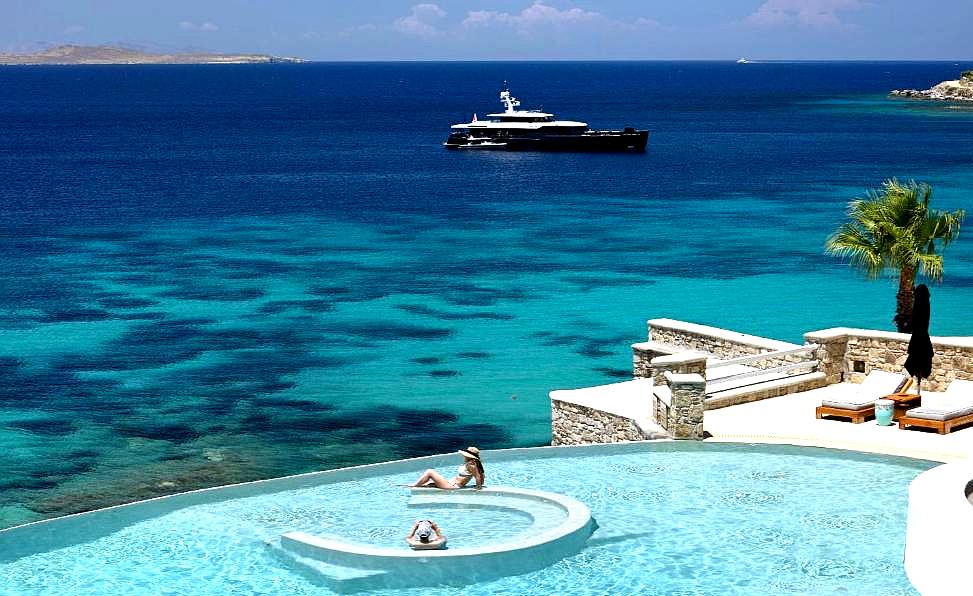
[686, 412]
[642, 361]
[833, 345]
[681, 363]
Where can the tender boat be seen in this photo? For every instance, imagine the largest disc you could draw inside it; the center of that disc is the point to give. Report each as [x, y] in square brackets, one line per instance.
[534, 130]
[482, 143]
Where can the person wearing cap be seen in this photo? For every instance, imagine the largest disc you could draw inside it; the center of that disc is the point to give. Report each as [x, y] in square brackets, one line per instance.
[421, 536]
[471, 468]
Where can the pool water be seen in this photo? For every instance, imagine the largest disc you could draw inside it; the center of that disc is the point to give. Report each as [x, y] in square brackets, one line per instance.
[673, 518]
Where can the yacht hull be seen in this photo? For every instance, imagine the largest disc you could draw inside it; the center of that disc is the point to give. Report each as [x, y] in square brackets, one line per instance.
[592, 141]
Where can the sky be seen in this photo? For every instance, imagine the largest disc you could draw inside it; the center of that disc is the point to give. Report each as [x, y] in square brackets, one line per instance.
[506, 29]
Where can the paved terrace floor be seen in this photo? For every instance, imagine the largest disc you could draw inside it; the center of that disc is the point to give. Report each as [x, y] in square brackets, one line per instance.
[790, 419]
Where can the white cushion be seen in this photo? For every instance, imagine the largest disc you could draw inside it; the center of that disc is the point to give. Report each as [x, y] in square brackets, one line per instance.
[946, 412]
[877, 384]
[852, 402]
[955, 402]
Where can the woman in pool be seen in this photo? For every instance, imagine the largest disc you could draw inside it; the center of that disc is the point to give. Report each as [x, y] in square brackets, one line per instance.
[421, 536]
[471, 468]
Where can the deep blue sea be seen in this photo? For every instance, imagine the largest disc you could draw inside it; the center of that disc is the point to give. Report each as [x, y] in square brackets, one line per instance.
[212, 274]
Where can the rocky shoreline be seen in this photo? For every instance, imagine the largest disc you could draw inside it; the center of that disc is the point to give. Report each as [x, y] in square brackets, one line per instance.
[70, 54]
[958, 90]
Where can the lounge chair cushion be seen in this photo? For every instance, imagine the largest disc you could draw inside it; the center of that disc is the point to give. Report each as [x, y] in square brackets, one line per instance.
[943, 412]
[852, 402]
[877, 384]
[955, 402]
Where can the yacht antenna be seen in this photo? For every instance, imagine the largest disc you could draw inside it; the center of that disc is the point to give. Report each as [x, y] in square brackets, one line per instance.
[509, 102]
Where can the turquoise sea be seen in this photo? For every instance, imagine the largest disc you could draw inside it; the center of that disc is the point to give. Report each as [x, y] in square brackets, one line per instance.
[217, 274]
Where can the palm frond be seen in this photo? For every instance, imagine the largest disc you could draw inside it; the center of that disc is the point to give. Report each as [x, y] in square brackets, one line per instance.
[893, 227]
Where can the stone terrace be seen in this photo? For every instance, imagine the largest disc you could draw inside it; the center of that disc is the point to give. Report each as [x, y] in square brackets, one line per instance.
[634, 410]
[790, 419]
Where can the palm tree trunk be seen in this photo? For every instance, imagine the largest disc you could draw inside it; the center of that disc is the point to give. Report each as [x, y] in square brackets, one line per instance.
[904, 300]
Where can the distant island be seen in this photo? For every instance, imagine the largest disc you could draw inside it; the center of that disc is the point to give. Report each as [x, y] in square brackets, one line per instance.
[70, 54]
[958, 90]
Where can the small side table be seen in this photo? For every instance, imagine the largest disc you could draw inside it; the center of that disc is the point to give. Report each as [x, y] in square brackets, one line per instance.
[902, 402]
[884, 410]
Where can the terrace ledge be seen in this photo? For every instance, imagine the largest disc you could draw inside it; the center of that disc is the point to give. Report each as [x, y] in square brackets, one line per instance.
[835, 333]
[720, 333]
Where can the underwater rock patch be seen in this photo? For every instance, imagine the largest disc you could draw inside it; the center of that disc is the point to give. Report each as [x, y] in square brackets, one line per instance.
[74, 315]
[8, 364]
[119, 302]
[441, 373]
[419, 309]
[309, 305]
[390, 331]
[151, 315]
[160, 431]
[43, 426]
[214, 293]
[303, 405]
[614, 373]
[593, 350]
[427, 360]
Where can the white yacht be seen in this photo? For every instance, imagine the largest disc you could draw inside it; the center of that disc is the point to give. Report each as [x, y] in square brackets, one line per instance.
[533, 130]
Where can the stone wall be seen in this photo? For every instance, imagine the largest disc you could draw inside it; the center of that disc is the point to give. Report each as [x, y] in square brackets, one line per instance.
[850, 354]
[721, 343]
[572, 424]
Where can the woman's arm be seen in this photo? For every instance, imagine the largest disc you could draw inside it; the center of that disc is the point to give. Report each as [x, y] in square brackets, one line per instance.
[478, 476]
[413, 530]
[439, 534]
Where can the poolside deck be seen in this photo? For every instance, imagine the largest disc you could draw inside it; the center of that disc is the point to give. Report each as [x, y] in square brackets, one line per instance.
[790, 419]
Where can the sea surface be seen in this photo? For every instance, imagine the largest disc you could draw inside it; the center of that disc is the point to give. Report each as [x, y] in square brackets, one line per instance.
[212, 274]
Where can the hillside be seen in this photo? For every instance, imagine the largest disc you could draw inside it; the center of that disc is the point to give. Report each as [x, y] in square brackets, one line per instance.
[958, 90]
[71, 54]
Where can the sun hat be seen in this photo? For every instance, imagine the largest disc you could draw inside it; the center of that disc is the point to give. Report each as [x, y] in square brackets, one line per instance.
[470, 452]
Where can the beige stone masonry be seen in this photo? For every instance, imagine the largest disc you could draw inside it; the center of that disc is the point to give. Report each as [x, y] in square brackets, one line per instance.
[689, 362]
[604, 414]
[572, 424]
[668, 392]
[688, 394]
[720, 343]
[850, 354]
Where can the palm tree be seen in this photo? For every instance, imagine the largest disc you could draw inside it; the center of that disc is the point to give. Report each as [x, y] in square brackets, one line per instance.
[893, 228]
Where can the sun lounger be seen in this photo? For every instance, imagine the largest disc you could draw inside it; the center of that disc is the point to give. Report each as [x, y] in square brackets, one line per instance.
[861, 403]
[954, 409]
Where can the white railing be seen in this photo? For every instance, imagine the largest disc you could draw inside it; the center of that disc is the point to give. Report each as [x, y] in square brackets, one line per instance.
[764, 374]
[763, 356]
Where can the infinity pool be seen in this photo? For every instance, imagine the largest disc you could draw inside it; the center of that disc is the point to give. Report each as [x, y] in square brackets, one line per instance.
[672, 518]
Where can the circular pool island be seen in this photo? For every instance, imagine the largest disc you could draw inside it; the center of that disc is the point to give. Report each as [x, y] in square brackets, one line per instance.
[498, 531]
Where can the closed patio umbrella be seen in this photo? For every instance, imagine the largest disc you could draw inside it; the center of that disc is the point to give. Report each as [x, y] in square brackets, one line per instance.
[919, 362]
